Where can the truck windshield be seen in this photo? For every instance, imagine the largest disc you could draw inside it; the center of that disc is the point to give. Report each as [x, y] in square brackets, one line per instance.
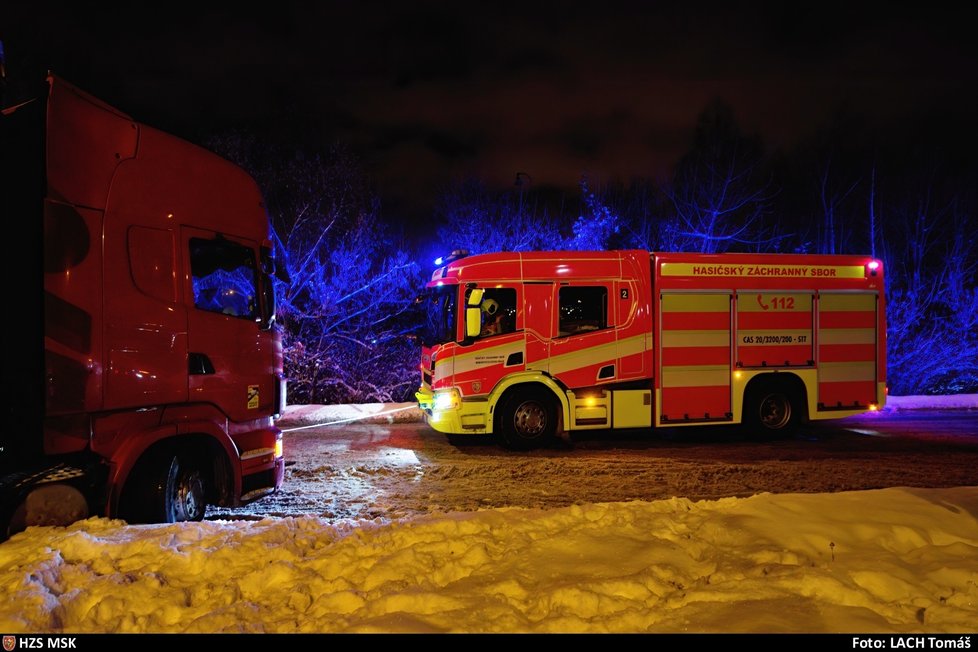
[438, 306]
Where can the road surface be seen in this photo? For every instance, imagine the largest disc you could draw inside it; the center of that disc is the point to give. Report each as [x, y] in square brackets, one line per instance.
[401, 470]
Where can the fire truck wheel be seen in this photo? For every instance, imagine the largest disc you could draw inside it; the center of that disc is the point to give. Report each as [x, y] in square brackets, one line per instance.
[527, 419]
[770, 410]
[173, 490]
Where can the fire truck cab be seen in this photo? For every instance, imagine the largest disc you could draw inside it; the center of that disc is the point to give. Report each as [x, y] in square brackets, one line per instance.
[528, 345]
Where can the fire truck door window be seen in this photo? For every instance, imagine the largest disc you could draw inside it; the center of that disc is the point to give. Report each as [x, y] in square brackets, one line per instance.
[223, 277]
[498, 311]
[582, 309]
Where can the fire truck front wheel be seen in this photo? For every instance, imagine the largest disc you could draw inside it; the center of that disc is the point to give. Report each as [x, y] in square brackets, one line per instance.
[527, 419]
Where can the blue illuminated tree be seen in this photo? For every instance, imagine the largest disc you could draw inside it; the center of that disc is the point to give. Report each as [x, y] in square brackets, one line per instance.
[471, 216]
[719, 191]
[346, 315]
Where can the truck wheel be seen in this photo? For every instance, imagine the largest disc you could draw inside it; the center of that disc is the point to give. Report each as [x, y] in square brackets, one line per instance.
[527, 420]
[770, 410]
[172, 491]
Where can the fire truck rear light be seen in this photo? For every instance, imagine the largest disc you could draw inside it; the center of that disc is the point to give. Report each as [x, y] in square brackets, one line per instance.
[873, 407]
[279, 448]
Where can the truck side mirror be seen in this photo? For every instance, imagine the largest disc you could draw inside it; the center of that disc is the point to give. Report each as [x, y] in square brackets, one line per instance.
[473, 322]
[474, 297]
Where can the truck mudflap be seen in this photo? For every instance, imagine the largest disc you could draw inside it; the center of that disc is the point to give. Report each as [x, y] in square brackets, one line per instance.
[50, 492]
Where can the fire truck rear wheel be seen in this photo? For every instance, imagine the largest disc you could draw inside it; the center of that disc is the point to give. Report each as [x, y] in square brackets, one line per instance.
[771, 410]
[527, 419]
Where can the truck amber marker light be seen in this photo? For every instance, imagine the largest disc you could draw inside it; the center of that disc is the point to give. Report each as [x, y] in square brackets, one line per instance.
[638, 339]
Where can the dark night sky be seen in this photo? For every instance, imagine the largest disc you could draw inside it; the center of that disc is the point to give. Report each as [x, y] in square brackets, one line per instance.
[426, 92]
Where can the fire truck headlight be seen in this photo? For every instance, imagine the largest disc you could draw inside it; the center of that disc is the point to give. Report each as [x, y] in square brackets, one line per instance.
[447, 400]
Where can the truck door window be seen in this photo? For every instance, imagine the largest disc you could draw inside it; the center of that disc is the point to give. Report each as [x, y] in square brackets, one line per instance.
[223, 277]
[582, 309]
[498, 311]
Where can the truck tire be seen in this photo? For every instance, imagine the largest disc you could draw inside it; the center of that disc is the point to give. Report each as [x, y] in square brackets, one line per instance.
[771, 410]
[171, 491]
[527, 419]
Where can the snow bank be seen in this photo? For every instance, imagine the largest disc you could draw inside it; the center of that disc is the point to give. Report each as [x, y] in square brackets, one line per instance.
[297, 416]
[309, 415]
[952, 402]
[891, 560]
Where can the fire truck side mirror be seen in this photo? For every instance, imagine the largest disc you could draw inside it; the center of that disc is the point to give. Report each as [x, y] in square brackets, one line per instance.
[473, 322]
[474, 297]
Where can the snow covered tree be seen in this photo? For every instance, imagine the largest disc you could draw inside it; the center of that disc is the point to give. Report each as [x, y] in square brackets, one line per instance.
[346, 314]
[718, 191]
[473, 217]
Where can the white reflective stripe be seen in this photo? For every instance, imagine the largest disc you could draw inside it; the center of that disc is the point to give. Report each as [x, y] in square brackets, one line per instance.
[695, 338]
[847, 336]
[696, 376]
[840, 372]
[258, 452]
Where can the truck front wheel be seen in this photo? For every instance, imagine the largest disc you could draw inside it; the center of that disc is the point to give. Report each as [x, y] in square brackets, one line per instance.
[527, 420]
[171, 491]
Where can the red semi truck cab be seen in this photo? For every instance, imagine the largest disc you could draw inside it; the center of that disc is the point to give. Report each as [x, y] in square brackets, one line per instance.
[526, 345]
[162, 369]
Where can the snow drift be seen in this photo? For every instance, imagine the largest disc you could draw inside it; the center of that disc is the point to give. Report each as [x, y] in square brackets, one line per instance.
[890, 560]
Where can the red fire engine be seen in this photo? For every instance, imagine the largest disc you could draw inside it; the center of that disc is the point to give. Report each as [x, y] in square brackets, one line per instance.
[149, 388]
[526, 345]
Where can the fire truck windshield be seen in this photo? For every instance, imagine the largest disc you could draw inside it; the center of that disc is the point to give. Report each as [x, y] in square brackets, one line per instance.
[438, 305]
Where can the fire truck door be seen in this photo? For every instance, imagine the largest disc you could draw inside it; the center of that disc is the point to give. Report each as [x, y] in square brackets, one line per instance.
[695, 357]
[584, 350]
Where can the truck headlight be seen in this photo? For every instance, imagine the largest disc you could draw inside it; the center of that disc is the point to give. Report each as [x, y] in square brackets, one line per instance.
[447, 400]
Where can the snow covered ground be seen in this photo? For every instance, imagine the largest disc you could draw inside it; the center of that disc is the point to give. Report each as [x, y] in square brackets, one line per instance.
[890, 560]
[898, 560]
[307, 415]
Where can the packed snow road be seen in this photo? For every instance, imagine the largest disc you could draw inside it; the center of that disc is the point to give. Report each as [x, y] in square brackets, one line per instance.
[400, 470]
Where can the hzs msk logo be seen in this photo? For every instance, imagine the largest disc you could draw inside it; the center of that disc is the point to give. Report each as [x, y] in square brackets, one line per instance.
[9, 643]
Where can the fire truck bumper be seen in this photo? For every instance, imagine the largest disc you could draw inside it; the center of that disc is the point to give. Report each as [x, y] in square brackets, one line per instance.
[445, 411]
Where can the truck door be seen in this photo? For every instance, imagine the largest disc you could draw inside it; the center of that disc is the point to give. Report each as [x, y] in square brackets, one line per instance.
[584, 350]
[230, 365]
[847, 345]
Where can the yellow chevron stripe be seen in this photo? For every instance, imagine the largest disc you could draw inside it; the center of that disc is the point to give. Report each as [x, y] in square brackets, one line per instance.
[695, 302]
[847, 336]
[696, 376]
[837, 372]
[862, 302]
